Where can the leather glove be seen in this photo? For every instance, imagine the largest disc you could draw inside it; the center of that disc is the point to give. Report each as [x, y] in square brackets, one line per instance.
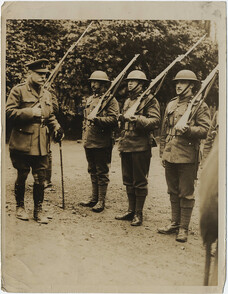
[58, 135]
[96, 121]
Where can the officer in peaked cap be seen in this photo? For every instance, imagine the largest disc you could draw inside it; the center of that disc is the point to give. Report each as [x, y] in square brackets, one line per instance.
[135, 145]
[179, 152]
[39, 65]
[29, 107]
[98, 140]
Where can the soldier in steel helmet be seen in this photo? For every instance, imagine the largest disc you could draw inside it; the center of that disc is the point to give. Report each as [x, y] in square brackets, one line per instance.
[29, 107]
[98, 140]
[179, 151]
[135, 144]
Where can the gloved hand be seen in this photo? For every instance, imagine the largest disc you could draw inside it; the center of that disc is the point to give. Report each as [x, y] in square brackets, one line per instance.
[96, 121]
[121, 118]
[182, 128]
[58, 135]
[133, 118]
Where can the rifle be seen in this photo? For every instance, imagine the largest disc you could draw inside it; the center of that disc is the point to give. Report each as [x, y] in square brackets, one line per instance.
[206, 86]
[54, 73]
[109, 94]
[132, 110]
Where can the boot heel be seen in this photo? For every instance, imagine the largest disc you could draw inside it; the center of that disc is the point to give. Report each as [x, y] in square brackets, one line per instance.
[137, 220]
[129, 215]
[99, 207]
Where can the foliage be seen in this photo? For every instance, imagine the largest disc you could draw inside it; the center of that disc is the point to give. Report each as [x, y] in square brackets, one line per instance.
[109, 46]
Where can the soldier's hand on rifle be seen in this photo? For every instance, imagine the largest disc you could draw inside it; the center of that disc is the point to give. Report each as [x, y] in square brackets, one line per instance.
[133, 118]
[58, 135]
[36, 110]
[121, 118]
[96, 120]
[182, 128]
[93, 120]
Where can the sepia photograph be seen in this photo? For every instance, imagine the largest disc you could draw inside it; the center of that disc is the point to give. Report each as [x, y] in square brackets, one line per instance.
[113, 149]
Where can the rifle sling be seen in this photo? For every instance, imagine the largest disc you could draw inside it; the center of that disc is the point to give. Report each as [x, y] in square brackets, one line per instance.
[111, 96]
[105, 103]
[155, 93]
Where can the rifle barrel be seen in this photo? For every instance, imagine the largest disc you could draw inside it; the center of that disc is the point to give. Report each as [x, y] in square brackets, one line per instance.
[194, 46]
[206, 85]
[207, 81]
[56, 69]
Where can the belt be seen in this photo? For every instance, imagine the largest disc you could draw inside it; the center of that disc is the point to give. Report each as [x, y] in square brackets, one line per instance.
[39, 121]
[173, 132]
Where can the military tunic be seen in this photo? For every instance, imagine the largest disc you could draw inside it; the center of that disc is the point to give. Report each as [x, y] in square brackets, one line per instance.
[180, 151]
[98, 139]
[29, 139]
[135, 143]
[30, 134]
[209, 142]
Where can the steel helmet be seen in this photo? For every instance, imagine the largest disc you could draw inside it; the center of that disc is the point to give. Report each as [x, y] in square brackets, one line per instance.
[187, 75]
[99, 75]
[137, 75]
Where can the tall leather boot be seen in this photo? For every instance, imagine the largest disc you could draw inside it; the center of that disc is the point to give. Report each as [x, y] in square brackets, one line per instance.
[38, 197]
[92, 201]
[138, 217]
[186, 212]
[19, 191]
[129, 215]
[102, 190]
[175, 213]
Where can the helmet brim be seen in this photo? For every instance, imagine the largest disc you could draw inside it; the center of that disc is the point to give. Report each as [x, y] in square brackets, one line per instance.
[136, 79]
[187, 79]
[42, 70]
[97, 79]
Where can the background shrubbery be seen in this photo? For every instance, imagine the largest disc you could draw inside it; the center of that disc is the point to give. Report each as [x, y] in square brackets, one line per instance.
[108, 46]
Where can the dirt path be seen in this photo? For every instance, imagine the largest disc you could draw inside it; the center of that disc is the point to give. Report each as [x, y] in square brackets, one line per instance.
[81, 251]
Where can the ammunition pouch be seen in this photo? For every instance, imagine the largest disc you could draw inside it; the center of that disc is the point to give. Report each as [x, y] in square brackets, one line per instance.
[173, 132]
[129, 126]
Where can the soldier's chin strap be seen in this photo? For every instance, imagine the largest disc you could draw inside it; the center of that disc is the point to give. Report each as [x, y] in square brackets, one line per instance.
[133, 92]
[185, 90]
[98, 92]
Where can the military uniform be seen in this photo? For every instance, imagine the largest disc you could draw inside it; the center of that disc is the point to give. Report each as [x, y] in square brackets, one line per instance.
[98, 143]
[213, 131]
[136, 140]
[30, 135]
[180, 152]
[29, 138]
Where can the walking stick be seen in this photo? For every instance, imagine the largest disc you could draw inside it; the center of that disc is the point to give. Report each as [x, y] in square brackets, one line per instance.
[61, 164]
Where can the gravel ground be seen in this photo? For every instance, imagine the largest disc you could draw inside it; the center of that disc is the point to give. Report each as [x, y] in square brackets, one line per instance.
[83, 251]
